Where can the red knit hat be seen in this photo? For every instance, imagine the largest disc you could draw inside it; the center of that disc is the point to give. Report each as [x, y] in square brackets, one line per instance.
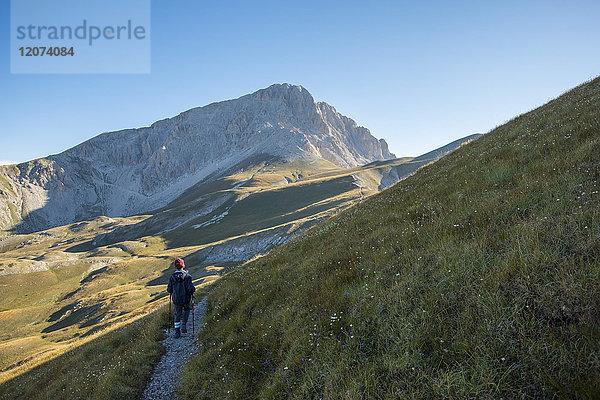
[179, 263]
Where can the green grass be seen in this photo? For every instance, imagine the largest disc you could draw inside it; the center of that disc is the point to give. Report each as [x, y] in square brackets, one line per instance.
[44, 312]
[265, 210]
[477, 277]
[114, 366]
[90, 297]
[252, 198]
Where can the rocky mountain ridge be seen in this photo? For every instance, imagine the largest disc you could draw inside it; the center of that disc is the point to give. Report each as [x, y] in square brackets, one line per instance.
[138, 170]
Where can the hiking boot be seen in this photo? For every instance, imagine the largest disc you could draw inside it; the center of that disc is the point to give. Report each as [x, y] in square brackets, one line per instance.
[183, 329]
[177, 333]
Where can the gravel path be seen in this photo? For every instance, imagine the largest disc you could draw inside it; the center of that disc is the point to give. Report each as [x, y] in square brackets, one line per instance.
[167, 374]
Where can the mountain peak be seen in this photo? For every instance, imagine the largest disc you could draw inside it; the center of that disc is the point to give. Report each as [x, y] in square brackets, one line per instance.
[285, 86]
[293, 94]
[136, 170]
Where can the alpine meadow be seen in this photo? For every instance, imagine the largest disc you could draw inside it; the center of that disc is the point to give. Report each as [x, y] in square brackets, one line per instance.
[470, 272]
[477, 277]
[87, 236]
[305, 200]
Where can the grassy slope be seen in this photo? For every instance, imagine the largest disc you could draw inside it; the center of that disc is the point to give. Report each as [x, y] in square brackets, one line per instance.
[253, 199]
[115, 366]
[76, 299]
[267, 209]
[477, 277]
[87, 298]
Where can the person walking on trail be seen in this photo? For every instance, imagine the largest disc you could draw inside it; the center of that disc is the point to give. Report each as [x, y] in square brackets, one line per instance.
[181, 289]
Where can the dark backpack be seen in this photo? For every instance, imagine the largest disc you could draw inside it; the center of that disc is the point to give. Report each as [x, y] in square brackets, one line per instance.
[181, 287]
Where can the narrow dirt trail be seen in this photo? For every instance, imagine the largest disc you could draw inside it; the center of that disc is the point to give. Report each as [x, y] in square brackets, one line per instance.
[166, 377]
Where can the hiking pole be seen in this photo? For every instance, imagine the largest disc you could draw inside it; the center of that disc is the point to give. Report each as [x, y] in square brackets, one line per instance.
[193, 320]
[169, 325]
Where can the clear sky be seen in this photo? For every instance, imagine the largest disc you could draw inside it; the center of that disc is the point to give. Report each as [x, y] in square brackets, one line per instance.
[417, 73]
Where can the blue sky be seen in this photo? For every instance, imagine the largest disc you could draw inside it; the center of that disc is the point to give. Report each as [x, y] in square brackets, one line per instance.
[418, 74]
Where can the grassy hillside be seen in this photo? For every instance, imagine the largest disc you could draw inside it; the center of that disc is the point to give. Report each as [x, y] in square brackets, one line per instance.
[68, 285]
[259, 194]
[477, 277]
[53, 298]
[115, 366]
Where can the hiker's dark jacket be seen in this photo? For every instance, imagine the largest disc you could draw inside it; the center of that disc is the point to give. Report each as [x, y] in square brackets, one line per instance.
[181, 287]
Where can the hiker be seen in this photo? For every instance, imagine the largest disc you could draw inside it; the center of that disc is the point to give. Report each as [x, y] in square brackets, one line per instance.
[181, 289]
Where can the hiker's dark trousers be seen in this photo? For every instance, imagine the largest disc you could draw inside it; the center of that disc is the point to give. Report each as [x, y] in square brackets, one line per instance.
[181, 309]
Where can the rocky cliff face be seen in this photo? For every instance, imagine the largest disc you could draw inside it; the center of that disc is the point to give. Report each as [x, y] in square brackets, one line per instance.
[137, 170]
